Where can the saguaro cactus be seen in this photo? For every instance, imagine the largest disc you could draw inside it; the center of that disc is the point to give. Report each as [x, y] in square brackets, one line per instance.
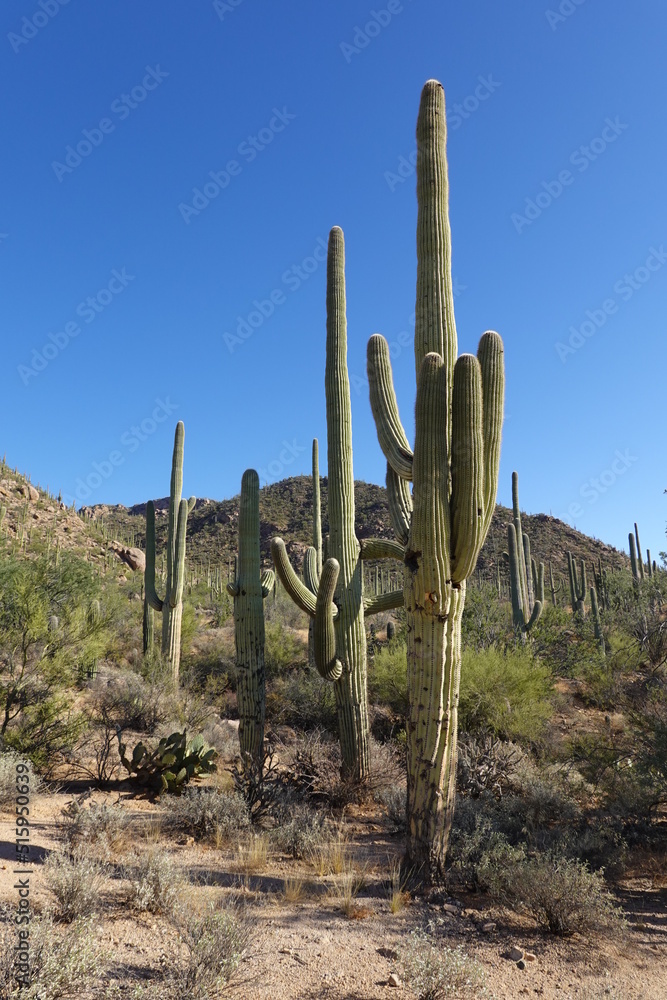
[554, 589]
[525, 578]
[577, 585]
[335, 600]
[597, 621]
[313, 561]
[249, 589]
[454, 471]
[171, 607]
[640, 559]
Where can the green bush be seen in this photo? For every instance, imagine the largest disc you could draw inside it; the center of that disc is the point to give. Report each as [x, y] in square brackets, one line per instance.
[506, 694]
[283, 649]
[434, 971]
[301, 699]
[387, 677]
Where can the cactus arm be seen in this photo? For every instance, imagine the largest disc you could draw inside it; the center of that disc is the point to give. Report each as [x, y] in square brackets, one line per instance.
[528, 563]
[317, 508]
[640, 558]
[537, 611]
[299, 593]
[400, 505]
[324, 634]
[540, 584]
[178, 570]
[233, 588]
[391, 436]
[467, 463]
[381, 548]
[490, 354]
[191, 504]
[149, 573]
[383, 602]
[633, 557]
[267, 579]
[311, 576]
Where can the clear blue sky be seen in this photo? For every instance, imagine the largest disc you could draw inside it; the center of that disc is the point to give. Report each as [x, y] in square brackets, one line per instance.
[305, 117]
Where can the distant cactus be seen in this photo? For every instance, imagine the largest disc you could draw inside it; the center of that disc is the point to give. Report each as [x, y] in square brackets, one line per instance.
[171, 608]
[554, 589]
[391, 631]
[526, 607]
[640, 559]
[597, 623]
[577, 586]
[635, 562]
[249, 589]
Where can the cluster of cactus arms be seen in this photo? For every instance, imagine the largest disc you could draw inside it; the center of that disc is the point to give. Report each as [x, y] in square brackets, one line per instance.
[442, 524]
[526, 580]
[577, 585]
[172, 764]
[334, 598]
[249, 588]
[171, 607]
[312, 567]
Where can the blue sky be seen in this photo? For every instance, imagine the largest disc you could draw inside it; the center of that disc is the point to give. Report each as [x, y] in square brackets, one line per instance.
[131, 300]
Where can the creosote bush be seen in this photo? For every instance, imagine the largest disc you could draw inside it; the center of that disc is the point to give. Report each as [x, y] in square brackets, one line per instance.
[155, 881]
[435, 972]
[207, 812]
[75, 880]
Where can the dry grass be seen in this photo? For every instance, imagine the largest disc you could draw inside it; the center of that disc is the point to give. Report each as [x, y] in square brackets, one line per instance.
[349, 886]
[294, 889]
[331, 858]
[253, 856]
[396, 894]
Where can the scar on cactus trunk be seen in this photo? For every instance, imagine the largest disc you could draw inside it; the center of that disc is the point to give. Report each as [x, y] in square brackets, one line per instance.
[171, 607]
[454, 471]
[334, 598]
[249, 590]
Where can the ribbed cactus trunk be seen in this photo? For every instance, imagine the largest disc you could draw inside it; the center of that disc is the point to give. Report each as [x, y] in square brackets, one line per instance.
[171, 607]
[249, 590]
[334, 599]
[454, 470]
[350, 688]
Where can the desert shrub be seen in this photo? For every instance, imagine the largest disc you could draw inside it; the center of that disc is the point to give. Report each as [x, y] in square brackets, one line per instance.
[98, 823]
[395, 801]
[215, 943]
[302, 833]
[75, 880]
[507, 694]
[387, 677]
[301, 699]
[206, 812]
[283, 649]
[8, 778]
[560, 893]
[313, 764]
[434, 971]
[128, 700]
[63, 961]
[486, 620]
[155, 881]
[487, 765]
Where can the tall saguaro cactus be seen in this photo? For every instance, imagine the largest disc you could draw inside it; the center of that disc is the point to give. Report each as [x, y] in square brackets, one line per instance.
[525, 578]
[334, 599]
[577, 585]
[171, 607]
[454, 471]
[249, 589]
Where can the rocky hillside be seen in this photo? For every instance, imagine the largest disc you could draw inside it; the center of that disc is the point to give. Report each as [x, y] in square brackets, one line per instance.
[286, 510]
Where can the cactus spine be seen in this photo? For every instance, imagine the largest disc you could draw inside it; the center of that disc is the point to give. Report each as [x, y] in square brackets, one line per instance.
[577, 585]
[454, 471]
[171, 607]
[249, 589]
[338, 606]
[524, 575]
